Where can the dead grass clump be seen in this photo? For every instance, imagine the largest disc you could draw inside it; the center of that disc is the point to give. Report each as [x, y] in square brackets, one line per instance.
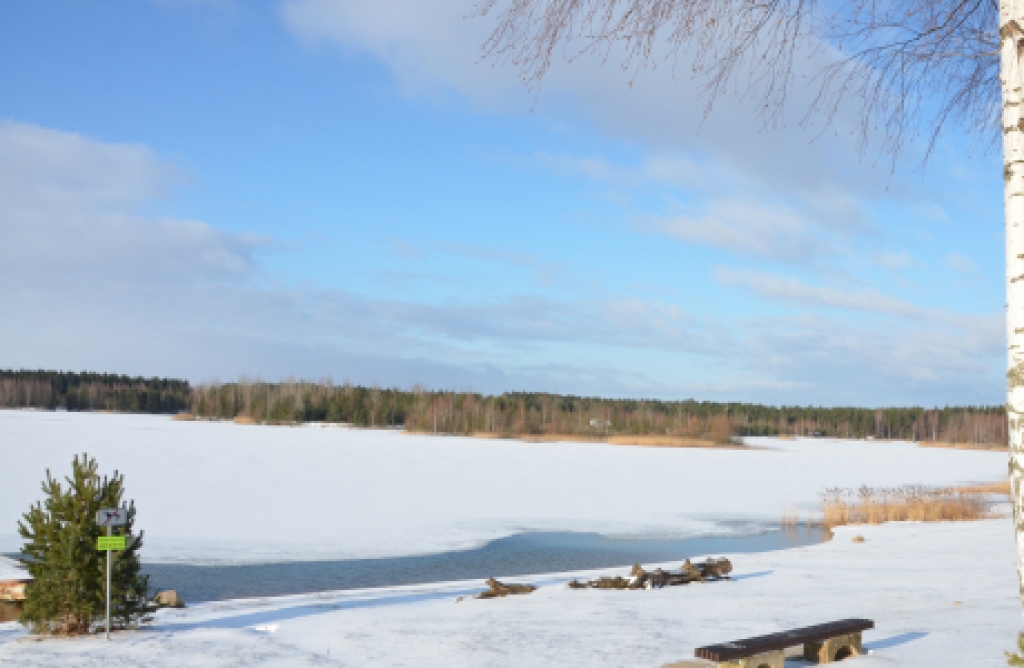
[1002, 488]
[998, 447]
[183, 417]
[645, 440]
[654, 441]
[916, 503]
[858, 539]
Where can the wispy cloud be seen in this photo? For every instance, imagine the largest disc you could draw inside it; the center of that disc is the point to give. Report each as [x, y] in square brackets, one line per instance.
[543, 271]
[792, 290]
[748, 229]
[72, 205]
[435, 49]
[405, 249]
[92, 282]
[959, 262]
[678, 171]
[893, 261]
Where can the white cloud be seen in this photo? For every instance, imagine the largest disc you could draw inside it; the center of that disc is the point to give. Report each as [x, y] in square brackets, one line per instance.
[66, 170]
[405, 249]
[959, 262]
[91, 282]
[676, 171]
[434, 49]
[801, 230]
[787, 196]
[895, 362]
[893, 261]
[71, 210]
[792, 290]
[748, 229]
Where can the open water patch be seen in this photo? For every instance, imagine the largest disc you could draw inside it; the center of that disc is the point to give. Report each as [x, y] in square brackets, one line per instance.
[521, 554]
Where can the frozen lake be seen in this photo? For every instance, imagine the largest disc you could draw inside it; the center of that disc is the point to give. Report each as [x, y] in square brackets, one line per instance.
[518, 555]
[212, 493]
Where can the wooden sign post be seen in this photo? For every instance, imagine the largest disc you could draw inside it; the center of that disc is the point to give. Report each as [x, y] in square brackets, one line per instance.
[110, 518]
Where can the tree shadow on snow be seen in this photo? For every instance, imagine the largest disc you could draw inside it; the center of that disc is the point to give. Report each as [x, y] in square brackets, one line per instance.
[895, 641]
[11, 631]
[307, 610]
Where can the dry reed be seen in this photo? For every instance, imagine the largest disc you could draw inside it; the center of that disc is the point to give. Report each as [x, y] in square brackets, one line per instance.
[916, 503]
[644, 440]
[997, 447]
[1002, 488]
[790, 519]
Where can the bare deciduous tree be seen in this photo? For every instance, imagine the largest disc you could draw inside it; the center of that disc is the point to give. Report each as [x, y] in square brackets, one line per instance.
[912, 68]
[909, 65]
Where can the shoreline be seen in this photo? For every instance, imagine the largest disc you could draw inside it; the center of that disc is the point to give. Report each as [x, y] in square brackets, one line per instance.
[921, 621]
[522, 555]
[640, 440]
[985, 447]
[643, 440]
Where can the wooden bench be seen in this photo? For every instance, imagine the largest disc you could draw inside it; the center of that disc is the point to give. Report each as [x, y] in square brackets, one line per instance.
[823, 643]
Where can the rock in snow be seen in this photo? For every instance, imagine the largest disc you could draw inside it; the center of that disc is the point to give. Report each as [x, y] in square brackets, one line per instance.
[168, 599]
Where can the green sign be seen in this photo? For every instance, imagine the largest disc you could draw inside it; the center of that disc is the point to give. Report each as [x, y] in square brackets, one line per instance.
[106, 543]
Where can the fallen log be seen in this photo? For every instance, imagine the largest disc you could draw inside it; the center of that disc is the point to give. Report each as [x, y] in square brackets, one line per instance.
[498, 589]
[716, 568]
[711, 569]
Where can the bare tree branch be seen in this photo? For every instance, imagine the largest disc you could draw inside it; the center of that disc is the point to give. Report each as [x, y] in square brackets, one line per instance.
[911, 67]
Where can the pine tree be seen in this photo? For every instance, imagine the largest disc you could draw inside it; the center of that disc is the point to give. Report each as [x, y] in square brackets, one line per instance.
[67, 595]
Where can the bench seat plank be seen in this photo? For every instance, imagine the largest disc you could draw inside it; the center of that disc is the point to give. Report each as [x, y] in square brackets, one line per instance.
[740, 649]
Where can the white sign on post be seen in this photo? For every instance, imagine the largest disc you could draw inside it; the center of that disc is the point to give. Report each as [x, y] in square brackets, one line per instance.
[112, 517]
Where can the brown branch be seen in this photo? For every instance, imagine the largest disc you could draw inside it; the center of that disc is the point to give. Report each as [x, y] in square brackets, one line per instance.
[908, 65]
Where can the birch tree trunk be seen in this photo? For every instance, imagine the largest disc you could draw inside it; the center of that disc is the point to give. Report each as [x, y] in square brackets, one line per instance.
[1011, 35]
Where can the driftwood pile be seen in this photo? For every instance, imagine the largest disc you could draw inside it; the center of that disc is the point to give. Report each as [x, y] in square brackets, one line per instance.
[712, 569]
[501, 589]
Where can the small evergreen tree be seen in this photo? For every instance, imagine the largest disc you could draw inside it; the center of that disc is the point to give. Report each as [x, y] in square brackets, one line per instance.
[67, 595]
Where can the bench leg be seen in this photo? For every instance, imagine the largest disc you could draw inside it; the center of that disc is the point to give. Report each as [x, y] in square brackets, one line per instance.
[776, 659]
[834, 649]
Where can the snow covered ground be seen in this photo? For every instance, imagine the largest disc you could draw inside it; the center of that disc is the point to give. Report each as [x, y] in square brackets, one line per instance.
[225, 492]
[940, 594]
[11, 570]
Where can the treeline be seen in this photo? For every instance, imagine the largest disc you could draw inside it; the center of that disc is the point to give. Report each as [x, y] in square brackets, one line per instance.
[93, 392]
[531, 413]
[290, 402]
[518, 413]
[509, 414]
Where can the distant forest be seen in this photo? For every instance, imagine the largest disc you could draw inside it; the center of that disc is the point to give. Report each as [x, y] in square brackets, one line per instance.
[93, 392]
[509, 414]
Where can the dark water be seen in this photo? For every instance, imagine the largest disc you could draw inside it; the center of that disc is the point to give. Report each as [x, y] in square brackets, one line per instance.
[523, 554]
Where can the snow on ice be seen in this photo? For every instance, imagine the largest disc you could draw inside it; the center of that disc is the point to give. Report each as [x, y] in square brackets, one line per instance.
[224, 492]
[940, 594]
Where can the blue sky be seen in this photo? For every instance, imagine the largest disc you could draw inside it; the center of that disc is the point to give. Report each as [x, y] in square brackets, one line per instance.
[341, 188]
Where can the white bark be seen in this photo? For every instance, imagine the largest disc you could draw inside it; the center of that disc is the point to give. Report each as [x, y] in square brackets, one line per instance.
[1011, 33]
